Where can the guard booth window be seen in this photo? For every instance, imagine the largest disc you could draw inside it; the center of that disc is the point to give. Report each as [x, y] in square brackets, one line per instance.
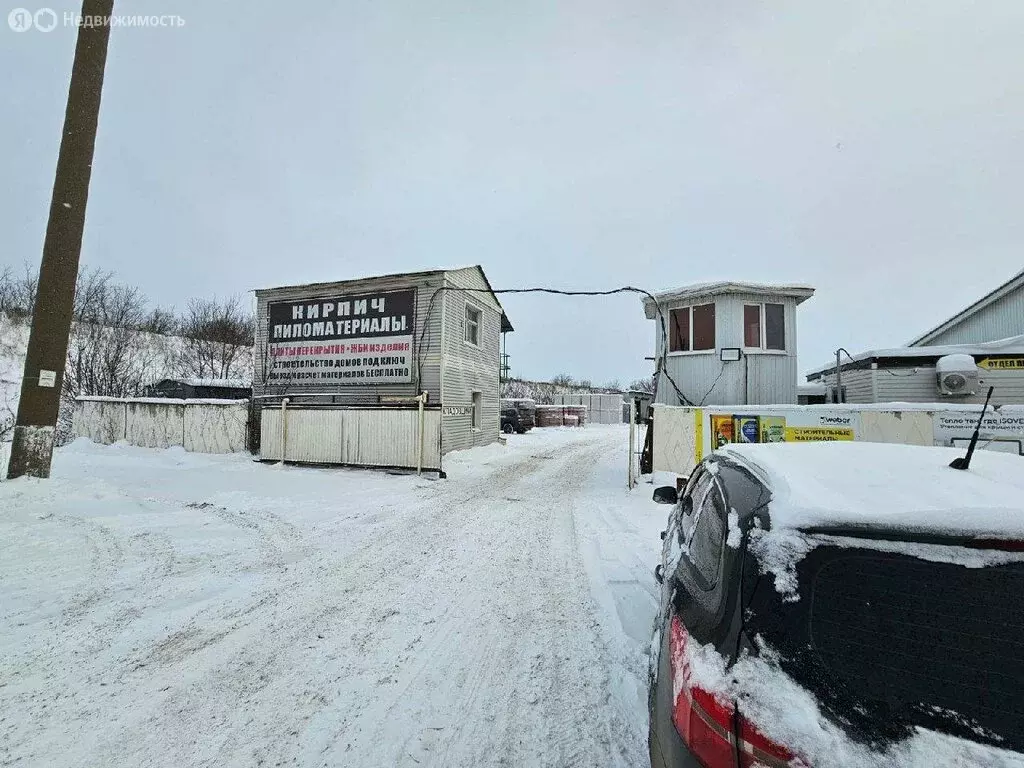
[692, 328]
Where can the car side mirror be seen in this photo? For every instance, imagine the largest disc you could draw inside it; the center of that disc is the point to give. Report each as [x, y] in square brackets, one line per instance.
[666, 494]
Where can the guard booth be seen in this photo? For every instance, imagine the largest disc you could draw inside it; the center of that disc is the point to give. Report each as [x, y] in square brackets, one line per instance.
[392, 371]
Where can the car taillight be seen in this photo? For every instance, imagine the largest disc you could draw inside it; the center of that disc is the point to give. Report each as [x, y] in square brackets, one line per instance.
[1002, 545]
[708, 726]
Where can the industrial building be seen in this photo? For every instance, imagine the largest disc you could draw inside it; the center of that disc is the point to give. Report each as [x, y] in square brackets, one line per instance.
[956, 373]
[347, 360]
[727, 343]
[999, 314]
[955, 362]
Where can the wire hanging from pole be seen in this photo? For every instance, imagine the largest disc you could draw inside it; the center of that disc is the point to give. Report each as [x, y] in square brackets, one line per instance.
[661, 368]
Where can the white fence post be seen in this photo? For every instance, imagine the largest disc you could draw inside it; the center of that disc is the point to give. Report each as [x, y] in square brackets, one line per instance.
[419, 455]
[630, 475]
[284, 428]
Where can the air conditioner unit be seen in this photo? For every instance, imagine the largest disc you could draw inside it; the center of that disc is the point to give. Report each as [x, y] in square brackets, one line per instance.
[957, 375]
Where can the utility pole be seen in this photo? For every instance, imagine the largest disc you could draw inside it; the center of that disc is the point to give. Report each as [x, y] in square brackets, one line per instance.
[32, 449]
[839, 379]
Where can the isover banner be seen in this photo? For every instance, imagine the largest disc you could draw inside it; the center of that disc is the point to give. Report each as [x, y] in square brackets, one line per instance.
[343, 340]
[1001, 430]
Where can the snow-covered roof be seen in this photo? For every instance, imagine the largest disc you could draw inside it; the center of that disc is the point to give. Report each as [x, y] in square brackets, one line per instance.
[223, 383]
[1014, 283]
[799, 291]
[1014, 345]
[905, 487]
[811, 389]
[219, 383]
[161, 400]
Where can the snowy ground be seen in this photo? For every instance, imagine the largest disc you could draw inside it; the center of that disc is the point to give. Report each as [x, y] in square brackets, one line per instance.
[165, 608]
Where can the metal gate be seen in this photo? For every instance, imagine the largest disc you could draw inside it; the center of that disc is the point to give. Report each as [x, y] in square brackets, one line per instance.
[401, 438]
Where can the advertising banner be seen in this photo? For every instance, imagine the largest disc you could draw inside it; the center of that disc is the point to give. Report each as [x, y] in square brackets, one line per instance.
[773, 429]
[747, 429]
[343, 340]
[796, 426]
[721, 430]
[1000, 431]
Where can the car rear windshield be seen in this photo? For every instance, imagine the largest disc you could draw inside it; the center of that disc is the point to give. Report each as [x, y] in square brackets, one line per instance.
[887, 642]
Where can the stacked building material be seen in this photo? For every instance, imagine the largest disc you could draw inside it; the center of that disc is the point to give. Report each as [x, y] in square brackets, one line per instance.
[549, 416]
[579, 412]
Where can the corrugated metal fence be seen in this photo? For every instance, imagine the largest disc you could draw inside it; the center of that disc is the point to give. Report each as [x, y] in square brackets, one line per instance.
[202, 426]
[601, 409]
[365, 437]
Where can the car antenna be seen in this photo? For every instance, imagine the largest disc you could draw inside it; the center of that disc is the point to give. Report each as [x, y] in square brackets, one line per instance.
[964, 462]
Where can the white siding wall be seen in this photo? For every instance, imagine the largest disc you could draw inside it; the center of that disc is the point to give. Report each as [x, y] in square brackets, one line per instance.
[909, 387]
[859, 385]
[425, 285]
[999, 320]
[758, 378]
[467, 368]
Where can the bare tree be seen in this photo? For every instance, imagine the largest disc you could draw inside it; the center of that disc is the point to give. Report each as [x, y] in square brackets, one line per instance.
[18, 292]
[648, 385]
[160, 320]
[516, 389]
[217, 339]
[562, 380]
[6, 285]
[613, 385]
[585, 384]
[107, 353]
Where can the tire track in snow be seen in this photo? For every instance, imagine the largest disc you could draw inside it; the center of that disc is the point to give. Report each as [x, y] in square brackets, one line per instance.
[262, 662]
[454, 630]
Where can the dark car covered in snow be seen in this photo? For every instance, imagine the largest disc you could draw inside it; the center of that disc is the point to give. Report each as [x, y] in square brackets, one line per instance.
[841, 604]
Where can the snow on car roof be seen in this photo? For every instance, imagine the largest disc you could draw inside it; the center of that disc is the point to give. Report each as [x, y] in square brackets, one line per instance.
[905, 487]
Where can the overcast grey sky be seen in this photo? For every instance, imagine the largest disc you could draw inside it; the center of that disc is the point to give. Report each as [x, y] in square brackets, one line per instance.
[872, 149]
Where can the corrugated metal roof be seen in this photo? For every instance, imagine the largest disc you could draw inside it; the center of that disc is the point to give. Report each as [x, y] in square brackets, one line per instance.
[1011, 346]
[1015, 282]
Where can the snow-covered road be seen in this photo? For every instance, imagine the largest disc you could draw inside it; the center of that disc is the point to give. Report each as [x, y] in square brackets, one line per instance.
[164, 608]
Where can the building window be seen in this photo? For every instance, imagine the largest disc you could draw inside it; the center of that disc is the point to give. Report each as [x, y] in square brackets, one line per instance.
[764, 326]
[774, 326]
[472, 325]
[751, 325]
[478, 403]
[679, 319]
[692, 328]
[704, 327]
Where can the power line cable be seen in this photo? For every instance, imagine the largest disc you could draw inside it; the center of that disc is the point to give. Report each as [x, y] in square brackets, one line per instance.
[896, 375]
[662, 368]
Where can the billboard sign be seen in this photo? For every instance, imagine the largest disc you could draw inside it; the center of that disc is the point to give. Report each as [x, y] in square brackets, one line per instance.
[342, 341]
[1001, 430]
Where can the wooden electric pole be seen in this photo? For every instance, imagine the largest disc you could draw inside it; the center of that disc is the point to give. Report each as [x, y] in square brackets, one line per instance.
[32, 448]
